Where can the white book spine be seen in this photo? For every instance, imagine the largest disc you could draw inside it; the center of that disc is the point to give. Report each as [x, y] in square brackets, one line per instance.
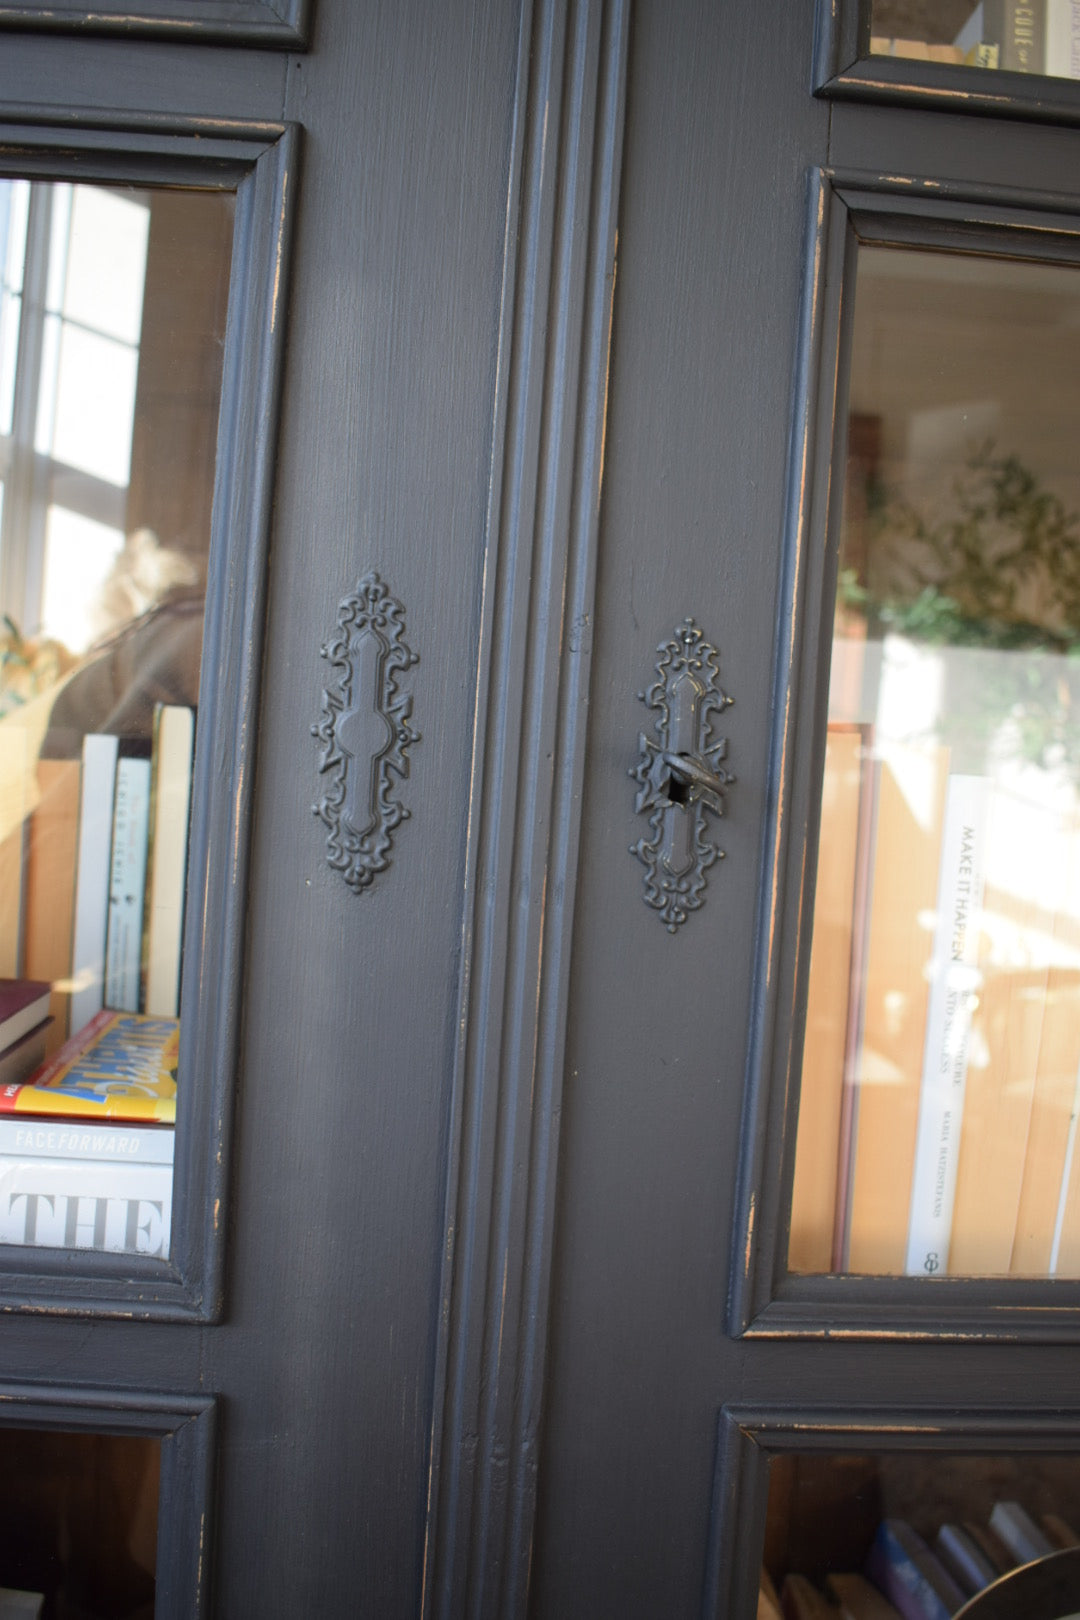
[1063, 39]
[952, 1000]
[92, 879]
[122, 1208]
[127, 884]
[70, 1138]
[169, 845]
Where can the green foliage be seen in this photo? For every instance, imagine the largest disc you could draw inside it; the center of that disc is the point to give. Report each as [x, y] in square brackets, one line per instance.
[999, 569]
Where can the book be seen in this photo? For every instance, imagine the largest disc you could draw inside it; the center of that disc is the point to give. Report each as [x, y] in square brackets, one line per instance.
[990, 1545]
[859, 1600]
[16, 803]
[904, 1570]
[964, 1559]
[1062, 39]
[49, 886]
[768, 1604]
[801, 1600]
[1043, 1239]
[1008, 1028]
[832, 987]
[76, 1183]
[49, 1203]
[19, 1060]
[1018, 29]
[1058, 1532]
[24, 1004]
[1019, 1532]
[170, 802]
[99, 761]
[127, 883]
[886, 1062]
[120, 1066]
[953, 997]
[972, 31]
[20, 1605]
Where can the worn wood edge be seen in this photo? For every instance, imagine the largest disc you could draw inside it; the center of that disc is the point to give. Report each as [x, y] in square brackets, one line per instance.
[225, 767]
[757, 1230]
[284, 24]
[836, 36]
[911, 1310]
[35, 124]
[943, 87]
[532, 692]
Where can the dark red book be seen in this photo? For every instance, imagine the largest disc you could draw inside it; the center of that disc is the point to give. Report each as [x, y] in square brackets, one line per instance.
[24, 1003]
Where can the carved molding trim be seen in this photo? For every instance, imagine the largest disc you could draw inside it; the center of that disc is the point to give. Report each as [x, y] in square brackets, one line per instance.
[680, 775]
[528, 770]
[365, 732]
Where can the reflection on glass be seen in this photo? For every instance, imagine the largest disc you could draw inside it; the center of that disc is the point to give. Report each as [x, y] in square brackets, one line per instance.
[910, 1533]
[1020, 36]
[80, 1524]
[941, 1069]
[112, 320]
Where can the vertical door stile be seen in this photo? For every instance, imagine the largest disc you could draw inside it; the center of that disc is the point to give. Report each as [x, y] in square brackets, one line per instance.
[528, 763]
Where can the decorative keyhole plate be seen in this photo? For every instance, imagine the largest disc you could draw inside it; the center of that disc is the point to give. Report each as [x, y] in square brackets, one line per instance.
[680, 776]
[365, 732]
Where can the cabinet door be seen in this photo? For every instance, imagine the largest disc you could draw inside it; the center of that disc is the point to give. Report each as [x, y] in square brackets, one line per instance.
[502, 1242]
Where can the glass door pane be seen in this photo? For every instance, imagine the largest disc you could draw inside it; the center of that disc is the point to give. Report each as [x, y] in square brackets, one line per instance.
[112, 323]
[941, 1069]
[1020, 36]
[79, 1512]
[875, 1537]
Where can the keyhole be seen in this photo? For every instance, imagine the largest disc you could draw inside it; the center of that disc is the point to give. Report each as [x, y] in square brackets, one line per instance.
[677, 792]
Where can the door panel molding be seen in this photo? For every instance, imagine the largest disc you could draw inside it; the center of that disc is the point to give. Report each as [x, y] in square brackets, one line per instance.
[258, 163]
[186, 1425]
[845, 71]
[846, 208]
[281, 23]
[528, 758]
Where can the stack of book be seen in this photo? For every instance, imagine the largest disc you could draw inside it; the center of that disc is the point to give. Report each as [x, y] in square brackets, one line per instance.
[1021, 36]
[24, 1022]
[940, 1096]
[904, 1577]
[86, 1140]
[93, 881]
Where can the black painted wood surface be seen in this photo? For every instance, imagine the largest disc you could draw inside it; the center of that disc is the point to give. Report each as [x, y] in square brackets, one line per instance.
[507, 1170]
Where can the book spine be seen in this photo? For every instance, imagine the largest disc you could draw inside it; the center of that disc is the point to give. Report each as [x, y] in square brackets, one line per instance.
[1019, 1532]
[899, 1579]
[951, 1003]
[1063, 39]
[127, 884]
[174, 734]
[125, 1209]
[92, 876]
[969, 1567]
[1018, 28]
[85, 1140]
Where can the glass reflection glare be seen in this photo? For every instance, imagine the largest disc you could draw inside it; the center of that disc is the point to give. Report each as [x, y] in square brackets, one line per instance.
[941, 1091]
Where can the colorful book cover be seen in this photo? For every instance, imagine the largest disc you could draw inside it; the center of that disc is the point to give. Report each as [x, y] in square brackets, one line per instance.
[121, 1066]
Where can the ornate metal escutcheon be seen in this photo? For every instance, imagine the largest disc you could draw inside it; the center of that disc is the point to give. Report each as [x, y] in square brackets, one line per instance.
[680, 775]
[365, 732]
